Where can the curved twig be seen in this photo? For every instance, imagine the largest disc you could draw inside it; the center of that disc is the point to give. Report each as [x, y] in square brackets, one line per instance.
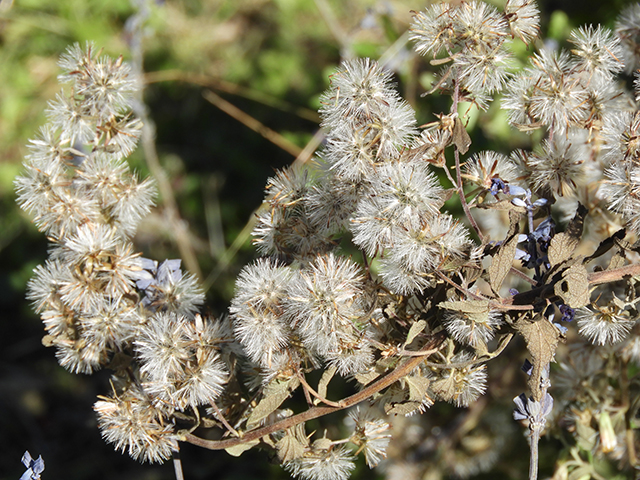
[404, 369]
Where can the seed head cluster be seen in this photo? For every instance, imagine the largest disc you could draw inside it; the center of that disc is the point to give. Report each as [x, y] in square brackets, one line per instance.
[365, 272]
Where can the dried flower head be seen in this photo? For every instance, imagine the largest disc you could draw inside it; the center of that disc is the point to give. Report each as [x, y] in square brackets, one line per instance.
[598, 52]
[603, 325]
[371, 434]
[474, 329]
[326, 306]
[323, 462]
[257, 310]
[628, 31]
[524, 19]
[132, 424]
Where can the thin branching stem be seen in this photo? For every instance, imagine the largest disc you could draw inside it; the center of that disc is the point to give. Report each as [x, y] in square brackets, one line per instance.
[456, 156]
[405, 368]
[177, 464]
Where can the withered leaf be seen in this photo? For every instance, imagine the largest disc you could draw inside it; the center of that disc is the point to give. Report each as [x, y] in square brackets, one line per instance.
[238, 450]
[417, 387]
[608, 243]
[401, 408]
[573, 288]
[541, 338]
[502, 205]
[275, 393]
[445, 388]
[618, 260]
[366, 377]
[289, 448]
[564, 244]
[466, 306]
[415, 330]
[461, 138]
[502, 262]
[327, 375]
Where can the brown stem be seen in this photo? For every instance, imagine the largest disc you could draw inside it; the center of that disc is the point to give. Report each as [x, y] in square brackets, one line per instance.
[528, 299]
[458, 287]
[404, 369]
[177, 464]
[456, 156]
[224, 420]
[309, 389]
[271, 135]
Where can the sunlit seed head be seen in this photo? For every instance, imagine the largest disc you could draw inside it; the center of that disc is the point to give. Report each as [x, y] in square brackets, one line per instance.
[433, 30]
[333, 463]
[325, 304]
[597, 51]
[628, 31]
[132, 424]
[524, 19]
[257, 310]
[472, 329]
[482, 168]
[559, 167]
[603, 325]
[372, 434]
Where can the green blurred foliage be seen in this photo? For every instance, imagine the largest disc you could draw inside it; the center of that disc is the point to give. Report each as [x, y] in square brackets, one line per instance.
[276, 56]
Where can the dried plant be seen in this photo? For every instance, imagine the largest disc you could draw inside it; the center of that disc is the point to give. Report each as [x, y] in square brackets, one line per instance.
[430, 300]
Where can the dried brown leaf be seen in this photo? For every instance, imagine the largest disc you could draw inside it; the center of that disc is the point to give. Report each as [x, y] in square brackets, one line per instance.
[502, 262]
[417, 387]
[401, 408]
[415, 330]
[327, 375]
[573, 288]
[238, 450]
[466, 306]
[445, 388]
[461, 138]
[541, 338]
[502, 205]
[275, 394]
[289, 448]
[564, 244]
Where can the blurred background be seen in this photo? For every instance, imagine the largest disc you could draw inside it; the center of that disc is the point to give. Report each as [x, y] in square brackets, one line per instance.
[232, 88]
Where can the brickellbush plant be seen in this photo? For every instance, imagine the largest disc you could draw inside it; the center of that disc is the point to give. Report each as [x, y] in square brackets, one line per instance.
[430, 299]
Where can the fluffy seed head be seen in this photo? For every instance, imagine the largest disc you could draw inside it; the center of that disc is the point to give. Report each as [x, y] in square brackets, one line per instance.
[132, 424]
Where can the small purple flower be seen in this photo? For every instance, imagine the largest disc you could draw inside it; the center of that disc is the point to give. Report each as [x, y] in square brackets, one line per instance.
[497, 186]
[154, 279]
[567, 312]
[34, 467]
[532, 410]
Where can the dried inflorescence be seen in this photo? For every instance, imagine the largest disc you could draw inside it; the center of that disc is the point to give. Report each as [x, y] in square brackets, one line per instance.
[419, 318]
[97, 297]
